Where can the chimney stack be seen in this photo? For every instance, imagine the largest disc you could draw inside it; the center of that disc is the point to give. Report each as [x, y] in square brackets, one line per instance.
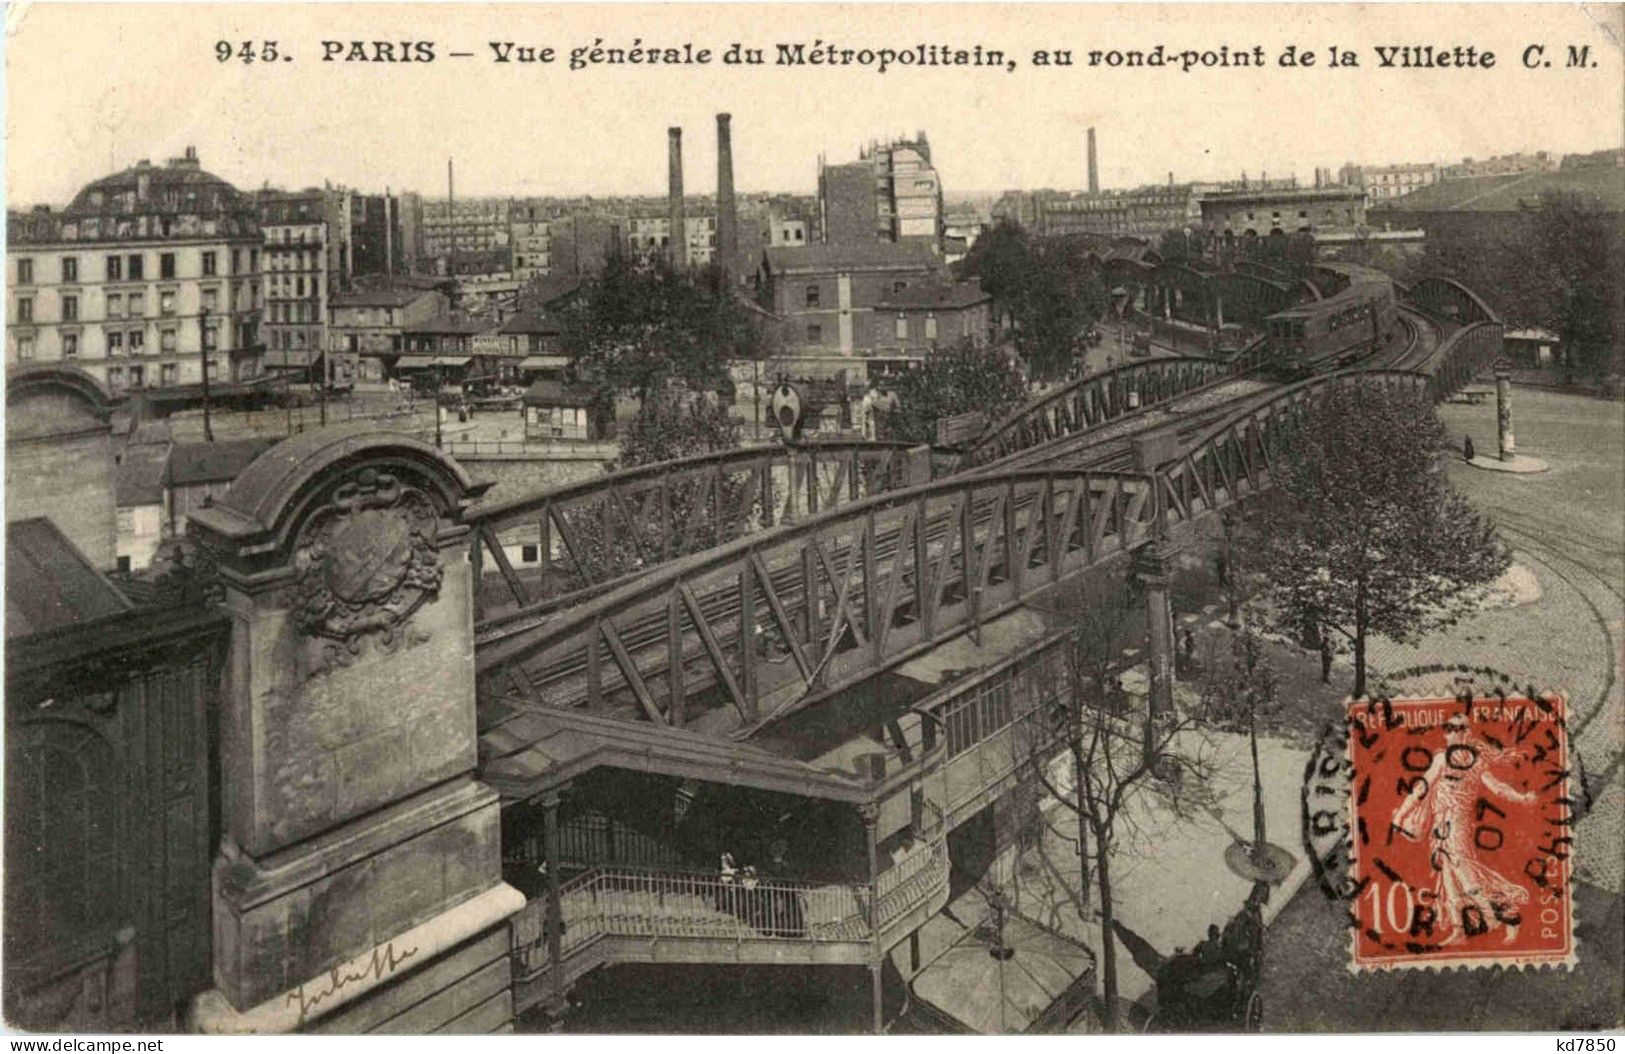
[727, 216]
[1094, 166]
[389, 234]
[679, 236]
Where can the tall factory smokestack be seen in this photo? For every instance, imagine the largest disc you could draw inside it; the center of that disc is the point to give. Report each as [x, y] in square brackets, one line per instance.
[1094, 166]
[674, 194]
[727, 216]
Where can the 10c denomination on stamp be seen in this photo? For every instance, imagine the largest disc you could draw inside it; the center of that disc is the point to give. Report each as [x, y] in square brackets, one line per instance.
[1462, 831]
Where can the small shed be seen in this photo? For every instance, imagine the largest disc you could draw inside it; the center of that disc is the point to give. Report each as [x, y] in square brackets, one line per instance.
[559, 410]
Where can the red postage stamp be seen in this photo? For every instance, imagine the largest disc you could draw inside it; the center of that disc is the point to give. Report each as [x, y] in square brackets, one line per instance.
[1462, 833]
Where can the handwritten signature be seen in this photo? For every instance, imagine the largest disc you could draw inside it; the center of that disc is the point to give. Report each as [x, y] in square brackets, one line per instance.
[384, 962]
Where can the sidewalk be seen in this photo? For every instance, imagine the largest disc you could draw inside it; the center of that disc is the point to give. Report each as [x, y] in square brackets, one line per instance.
[1169, 879]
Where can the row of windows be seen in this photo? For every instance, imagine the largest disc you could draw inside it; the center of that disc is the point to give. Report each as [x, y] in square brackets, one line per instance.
[131, 267]
[1303, 214]
[300, 311]
[133, 341]
[814, 292]
[815, 332]
[117, 303]
[276, 261]
[287, 339]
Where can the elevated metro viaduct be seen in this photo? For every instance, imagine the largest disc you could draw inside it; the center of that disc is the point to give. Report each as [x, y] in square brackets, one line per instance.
[392, 768]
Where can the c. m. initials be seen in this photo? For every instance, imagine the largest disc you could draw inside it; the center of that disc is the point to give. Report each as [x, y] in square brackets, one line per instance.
[383, 962]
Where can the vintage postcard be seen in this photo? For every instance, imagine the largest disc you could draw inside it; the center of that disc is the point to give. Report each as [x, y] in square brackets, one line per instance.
[911, 519]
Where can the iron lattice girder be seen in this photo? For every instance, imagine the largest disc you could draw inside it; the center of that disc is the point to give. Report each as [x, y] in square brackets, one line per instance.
[1089, 401]
[838, 597]
[861, 588]
[624, 522]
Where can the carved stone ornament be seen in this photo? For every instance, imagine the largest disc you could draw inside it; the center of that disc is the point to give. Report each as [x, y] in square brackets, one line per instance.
[366, 561]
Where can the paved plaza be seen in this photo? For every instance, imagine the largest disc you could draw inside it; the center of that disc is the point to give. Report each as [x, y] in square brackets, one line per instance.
[1560, 629]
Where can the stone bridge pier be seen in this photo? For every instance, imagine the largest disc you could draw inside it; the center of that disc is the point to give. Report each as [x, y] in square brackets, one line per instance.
[358, 882]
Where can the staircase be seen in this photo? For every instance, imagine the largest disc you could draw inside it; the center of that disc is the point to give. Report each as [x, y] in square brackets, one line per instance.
[643, 915]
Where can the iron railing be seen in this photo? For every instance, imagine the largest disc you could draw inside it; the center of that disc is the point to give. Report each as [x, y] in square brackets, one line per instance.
[646, 903]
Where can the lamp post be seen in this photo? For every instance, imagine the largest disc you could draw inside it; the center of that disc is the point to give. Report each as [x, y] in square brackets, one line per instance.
[203, 354]
[437, 407]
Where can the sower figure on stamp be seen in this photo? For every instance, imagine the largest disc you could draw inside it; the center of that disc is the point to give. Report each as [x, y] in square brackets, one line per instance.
[1443, 806]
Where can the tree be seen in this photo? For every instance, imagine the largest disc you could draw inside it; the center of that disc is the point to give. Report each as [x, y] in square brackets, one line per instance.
[641, 326]
[1001, 259]
[1586, 331]
[1558, 265]
[1049, 291]
[954, 381]
[1362, 536]
[1112, 761]
[673, 424]
[1065, 296]
[1233, 695]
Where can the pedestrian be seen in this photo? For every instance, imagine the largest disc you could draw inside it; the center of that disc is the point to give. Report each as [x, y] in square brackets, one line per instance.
[726, 881]
[749, 899]
[1467, 447]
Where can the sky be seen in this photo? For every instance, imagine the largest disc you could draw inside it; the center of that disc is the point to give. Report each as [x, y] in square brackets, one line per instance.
[92, 88]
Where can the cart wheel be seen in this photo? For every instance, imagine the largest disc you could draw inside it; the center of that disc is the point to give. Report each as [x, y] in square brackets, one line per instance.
[1255, 1013]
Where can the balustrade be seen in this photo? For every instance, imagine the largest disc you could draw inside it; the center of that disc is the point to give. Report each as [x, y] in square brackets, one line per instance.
[679, 905]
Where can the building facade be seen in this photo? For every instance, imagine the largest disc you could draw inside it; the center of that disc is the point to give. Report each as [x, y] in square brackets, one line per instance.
[1501, 165]
[365, 326]
[464, 229]
[891, 193]
[141, 273]
[911, 322]
[1385, 182]
[848, 209]
[297, 277]
[651, 235]
[1146, 211]
[1258, 212]
[827, 299]
[530, 239]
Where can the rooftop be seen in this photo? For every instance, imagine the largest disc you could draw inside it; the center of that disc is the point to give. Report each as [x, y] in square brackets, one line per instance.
[557, 393]
[871, 256]
[216, 462]
[1602, 186]
[139, 477]
[531, 320]
[453, 325]
[380, 296]
[144, 202]
[49, 583]
[549, 289]
[1242, 194]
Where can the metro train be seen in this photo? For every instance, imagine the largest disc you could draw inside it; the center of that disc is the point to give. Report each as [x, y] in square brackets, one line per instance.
[1361, 318]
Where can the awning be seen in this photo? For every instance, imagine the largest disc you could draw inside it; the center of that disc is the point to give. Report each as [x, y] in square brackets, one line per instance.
[452, 360]
[415, 362]
[544, 362]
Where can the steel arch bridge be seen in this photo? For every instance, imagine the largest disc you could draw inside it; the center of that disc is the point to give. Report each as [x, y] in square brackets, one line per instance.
[1091, 401]
[731, 638]
[621, 523]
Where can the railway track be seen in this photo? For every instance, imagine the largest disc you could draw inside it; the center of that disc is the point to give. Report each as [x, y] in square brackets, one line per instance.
[1110, 447]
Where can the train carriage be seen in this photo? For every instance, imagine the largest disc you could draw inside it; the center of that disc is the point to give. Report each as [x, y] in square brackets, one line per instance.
[1337, 331]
